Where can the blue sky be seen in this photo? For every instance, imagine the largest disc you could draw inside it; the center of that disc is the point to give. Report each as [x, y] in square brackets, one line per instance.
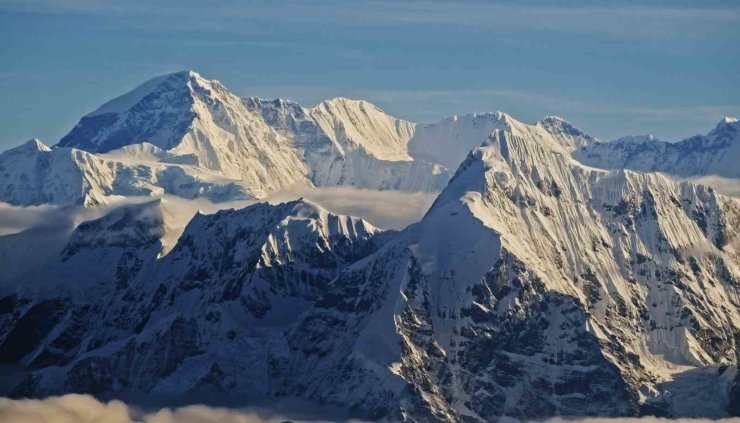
[613, 68]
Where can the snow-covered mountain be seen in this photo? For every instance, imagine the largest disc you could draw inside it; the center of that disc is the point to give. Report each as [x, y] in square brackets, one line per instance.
[33, 174]
[449, 140]
[189, 136]
[241, 276]
[716, 153]
[534, 286]
[546, 279]
[266, 145]
[349, 142]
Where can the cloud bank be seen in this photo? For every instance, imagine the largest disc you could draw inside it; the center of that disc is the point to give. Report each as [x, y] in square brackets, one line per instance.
[726, 186]
[49, 225]
[384, 209]
[73, 408]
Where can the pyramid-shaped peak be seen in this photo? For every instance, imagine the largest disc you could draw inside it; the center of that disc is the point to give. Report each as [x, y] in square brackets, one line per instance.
[37, 144]
[727, 129]
[187, 73]
[727, 121]
[725, 124]
[159, 111]
[565, 133]
[167, 82]
[34, 145]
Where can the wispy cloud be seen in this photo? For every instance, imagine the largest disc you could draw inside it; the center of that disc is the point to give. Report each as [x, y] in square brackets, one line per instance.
[384, 209]
[626, 18]
[727, 186]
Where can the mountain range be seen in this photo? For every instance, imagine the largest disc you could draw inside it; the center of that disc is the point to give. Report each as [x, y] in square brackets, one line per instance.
[554, 275]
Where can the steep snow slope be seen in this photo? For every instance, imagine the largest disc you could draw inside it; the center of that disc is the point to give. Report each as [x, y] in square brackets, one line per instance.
[353, 124]
[190, 115]
[265, 146]
[716, 153]
[347, 142]
[268, 145]
[34, 174]
[449, 140]
[72, 279]
[209, 313]
[534, 286]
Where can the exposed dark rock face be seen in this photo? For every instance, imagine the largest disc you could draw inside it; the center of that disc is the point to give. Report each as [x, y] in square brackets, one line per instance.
[533, 287]
[169, 106]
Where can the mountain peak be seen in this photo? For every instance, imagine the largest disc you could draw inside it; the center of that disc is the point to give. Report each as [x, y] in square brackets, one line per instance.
[503, 116]
[359, 125]
[34, 145]
[727, 128]
[565, 132]
[187, 73]
[168, 82]
[637, 138]
[160, 111]
[557, 121]
[727, 122]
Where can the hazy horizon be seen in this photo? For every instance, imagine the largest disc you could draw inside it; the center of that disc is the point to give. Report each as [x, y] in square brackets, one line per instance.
[664, 68]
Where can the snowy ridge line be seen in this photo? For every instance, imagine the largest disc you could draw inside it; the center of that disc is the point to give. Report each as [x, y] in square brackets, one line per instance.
[185, 135]
[534, 286]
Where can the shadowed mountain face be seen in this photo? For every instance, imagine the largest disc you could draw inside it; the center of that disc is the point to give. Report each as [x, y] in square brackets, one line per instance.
[534, 286]
[537, 284]
[160, 111]
[242, 278]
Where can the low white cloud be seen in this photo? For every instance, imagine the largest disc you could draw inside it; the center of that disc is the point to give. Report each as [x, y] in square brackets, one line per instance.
[726, 186]
[65, 409]
[73, 408]
[15, 219]
[384, 209]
